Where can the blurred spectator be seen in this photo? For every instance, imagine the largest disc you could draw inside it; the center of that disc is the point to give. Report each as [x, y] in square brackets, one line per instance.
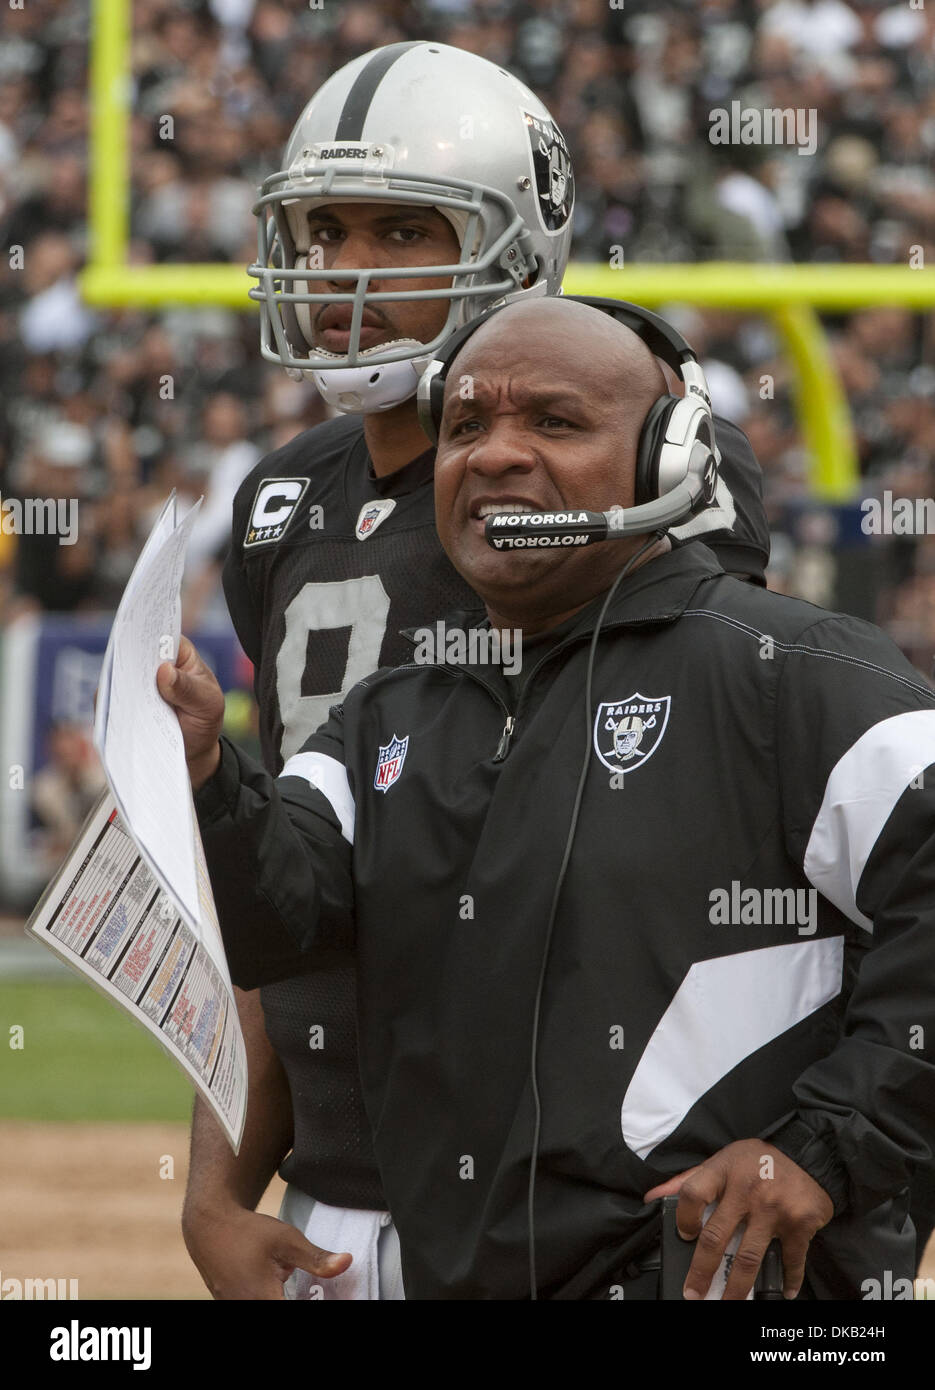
[55, 568]
[55, 319]
[65, 789]
[224, 461]
[814, 28]
[220, 466]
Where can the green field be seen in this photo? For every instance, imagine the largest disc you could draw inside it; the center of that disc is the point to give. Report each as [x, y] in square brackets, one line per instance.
[82, 1059]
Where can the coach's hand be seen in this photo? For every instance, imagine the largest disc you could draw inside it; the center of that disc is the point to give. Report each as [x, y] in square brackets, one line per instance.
[242, 1254]
[775, 1199]
[192, 689]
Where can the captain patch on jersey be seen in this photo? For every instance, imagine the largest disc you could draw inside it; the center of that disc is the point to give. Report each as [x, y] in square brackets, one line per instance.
[273, 508]
[627, 732]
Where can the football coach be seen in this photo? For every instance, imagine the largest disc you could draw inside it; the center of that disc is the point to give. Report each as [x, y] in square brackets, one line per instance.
[652, 913]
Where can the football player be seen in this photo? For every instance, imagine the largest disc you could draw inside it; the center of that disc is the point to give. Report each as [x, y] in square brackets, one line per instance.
[417, 189]
[420, 185]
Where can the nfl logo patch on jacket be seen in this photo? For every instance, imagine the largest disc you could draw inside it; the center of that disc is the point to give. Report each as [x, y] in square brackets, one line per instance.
[390, 762]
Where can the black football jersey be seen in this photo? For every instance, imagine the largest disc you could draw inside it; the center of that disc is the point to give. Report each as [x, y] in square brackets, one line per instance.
[327, 564]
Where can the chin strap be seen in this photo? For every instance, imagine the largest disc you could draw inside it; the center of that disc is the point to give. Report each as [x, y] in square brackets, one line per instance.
[366, 390]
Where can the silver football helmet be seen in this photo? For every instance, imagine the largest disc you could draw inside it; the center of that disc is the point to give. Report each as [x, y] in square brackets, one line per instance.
[414, 123]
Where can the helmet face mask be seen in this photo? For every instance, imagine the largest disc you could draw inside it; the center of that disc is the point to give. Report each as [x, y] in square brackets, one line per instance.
[501, 266]
[418, 125]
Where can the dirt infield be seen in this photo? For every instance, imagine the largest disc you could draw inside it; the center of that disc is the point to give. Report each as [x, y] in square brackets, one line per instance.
[86, 1202]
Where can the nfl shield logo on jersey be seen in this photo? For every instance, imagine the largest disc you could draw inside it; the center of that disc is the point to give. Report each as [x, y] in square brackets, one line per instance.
[390, 762]
[371, 515]
[628, 731]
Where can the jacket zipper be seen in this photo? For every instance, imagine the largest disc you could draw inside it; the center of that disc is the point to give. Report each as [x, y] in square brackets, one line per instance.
[506, 735]
[503, 747]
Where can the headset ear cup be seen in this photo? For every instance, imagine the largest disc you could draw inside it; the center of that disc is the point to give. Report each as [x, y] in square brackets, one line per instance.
[429, 394]
[437, 399]
[711, 469]
[652, 438]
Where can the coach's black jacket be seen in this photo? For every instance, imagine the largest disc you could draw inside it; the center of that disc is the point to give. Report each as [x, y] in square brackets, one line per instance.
[736, 741]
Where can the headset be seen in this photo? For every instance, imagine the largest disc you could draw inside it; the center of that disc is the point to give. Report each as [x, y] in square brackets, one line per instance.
[677, 456]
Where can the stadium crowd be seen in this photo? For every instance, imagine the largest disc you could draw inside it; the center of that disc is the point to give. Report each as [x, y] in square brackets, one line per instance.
[115, 408]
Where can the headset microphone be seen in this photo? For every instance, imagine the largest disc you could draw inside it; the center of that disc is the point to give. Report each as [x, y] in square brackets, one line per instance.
[542, 530]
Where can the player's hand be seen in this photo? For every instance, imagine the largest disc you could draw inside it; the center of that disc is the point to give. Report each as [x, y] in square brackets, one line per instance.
[192, 689]
[788, 1205]
[242, 1254]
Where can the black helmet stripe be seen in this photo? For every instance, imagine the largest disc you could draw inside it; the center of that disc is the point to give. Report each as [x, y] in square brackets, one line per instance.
[358, 99]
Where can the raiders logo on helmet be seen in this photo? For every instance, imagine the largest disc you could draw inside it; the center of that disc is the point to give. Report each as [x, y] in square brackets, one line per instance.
[555, 182]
